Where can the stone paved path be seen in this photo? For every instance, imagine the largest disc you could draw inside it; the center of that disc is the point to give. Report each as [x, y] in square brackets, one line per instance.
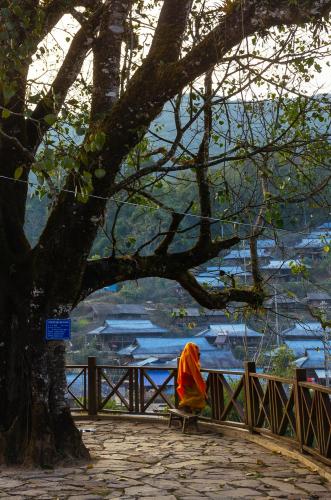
[146, 460]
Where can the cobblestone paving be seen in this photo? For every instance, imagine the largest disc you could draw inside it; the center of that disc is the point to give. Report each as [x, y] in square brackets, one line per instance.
[148, 460]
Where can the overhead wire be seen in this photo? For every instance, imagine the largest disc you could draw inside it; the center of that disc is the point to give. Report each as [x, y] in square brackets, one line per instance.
[149, 207]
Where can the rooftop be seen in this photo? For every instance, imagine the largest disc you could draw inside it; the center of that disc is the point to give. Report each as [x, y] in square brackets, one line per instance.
[325, 225]
[266, 243]
[234, 270]
[168, 349]
[318, 296]
[312, 359]
[312, 329]
[281, 264]
[229, 330]
[209, 280]
[299, 347]
[127, 327]
[245, 254]
[186, 311]
[310, 243]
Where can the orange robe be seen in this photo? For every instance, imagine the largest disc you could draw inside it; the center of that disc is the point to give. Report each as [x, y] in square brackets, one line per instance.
[191, 387]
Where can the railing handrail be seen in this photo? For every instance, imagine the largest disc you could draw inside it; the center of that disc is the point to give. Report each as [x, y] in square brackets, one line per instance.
[315, 387]
[290, 409]
[268, 376]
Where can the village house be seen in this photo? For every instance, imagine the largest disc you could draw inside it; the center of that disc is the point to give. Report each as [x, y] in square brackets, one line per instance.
[167, 350]
[234, 271]
[116, 334]
[314, 362]
[231, 335]
[311, 248]
[279, 269]
[319, 299]
[303, 331]
[284, 303]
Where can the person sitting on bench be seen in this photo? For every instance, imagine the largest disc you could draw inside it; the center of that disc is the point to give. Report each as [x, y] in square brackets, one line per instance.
[191, 387]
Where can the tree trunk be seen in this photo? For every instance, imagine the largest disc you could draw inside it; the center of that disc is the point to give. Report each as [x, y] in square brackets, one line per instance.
[36, 427]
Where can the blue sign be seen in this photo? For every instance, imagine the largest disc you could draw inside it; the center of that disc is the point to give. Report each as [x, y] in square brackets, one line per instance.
[58, 329]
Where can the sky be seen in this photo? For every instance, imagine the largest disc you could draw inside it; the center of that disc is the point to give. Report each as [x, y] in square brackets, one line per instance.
[58, 42]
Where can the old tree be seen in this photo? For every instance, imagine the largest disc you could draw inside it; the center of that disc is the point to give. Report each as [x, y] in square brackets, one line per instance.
[143, 55]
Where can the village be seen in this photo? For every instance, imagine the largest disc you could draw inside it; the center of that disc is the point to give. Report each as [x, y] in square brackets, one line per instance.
[153, 335]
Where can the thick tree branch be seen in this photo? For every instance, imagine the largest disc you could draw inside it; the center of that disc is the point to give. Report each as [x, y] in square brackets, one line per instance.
[103, 272]
[107, 57]
[55, 97]
[202, 168]
[219, 300]
[150, 88]
[168, 37]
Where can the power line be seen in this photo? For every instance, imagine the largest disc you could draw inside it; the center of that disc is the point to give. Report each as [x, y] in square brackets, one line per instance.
[148, 207]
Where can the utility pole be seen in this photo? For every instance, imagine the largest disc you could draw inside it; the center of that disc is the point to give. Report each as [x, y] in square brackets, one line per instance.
[326, 346]
[276, 322]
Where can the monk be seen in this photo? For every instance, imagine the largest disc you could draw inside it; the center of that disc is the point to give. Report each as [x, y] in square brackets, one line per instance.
[191, 387]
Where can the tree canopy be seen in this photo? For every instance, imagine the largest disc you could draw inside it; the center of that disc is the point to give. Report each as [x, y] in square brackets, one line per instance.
[83, 85]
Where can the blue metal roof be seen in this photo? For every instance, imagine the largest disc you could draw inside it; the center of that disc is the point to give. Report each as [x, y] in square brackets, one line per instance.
[230, 330]
[126, 326]
[169, 344]
[312, 359]
[170, 348]
[306, 330]
[326, 225]
[245, 254]
[216, 270]
[266, 243]
[209, 280]
[310, 243]
[299, 347]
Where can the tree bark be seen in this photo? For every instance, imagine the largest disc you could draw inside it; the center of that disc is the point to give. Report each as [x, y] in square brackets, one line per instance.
[36, 426]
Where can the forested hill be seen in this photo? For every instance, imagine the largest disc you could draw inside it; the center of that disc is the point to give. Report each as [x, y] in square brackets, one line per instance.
[233, 121]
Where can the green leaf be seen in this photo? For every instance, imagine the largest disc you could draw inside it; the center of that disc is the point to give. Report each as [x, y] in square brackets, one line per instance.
[18, 172]
[50, 119]
[326, 248]
[5, 113]
[8, 93]
[99, 173]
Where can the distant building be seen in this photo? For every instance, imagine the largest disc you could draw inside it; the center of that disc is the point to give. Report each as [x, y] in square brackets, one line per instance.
[311, 248]
[326, 226]
[117, 333]
[243, 257]
[299, 347]
[182, 316]
[318, 299]
[313, 361]
[234, 271]
[304, 331]
[200, 317]
[280, 269]
[223, 335]
[217, 316]
[285, 303]
[209, 280]
[102, 310]
[166, 350]
[267, 244]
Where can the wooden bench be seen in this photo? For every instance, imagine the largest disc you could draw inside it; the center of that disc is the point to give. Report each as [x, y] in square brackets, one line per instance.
[184, 417]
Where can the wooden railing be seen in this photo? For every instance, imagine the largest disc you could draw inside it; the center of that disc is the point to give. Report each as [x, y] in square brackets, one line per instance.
[291, 410]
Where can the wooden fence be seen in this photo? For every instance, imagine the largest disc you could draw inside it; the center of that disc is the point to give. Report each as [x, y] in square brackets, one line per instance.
[291, 410]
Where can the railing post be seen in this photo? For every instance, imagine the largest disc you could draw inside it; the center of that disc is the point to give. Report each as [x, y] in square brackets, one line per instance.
[175, 385]
[92, 400]
[250, 398]
[300, 376]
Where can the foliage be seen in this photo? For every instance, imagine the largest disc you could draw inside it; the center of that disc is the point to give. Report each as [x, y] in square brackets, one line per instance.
[282, 362]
